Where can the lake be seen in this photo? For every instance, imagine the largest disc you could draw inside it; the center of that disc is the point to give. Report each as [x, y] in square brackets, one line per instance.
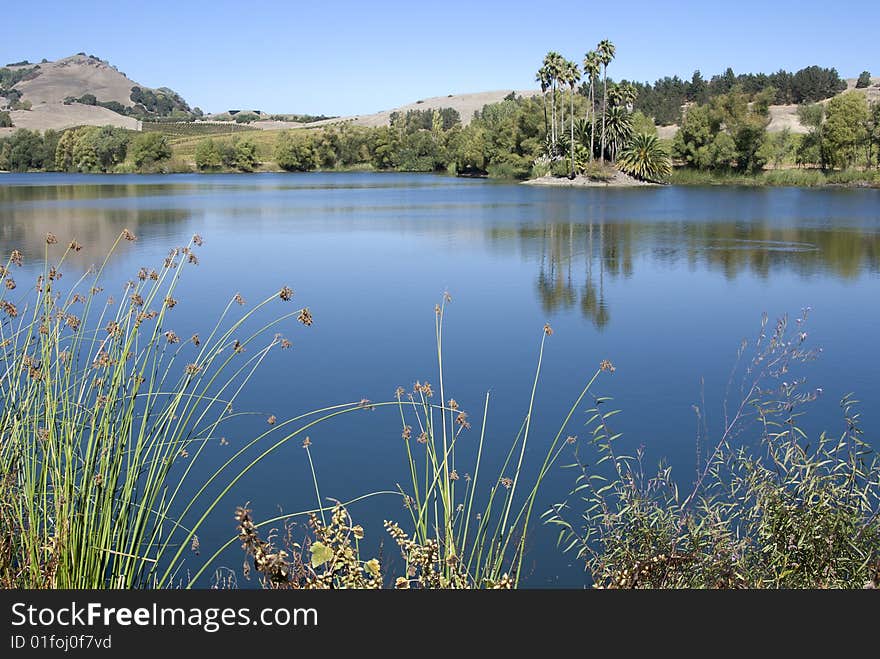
[663, 282]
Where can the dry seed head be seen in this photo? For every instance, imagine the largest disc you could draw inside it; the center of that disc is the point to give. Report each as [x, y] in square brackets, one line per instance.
[10, 283]
[306, 442]
[137, 300]
[51, 239]
[197, 240]
[237, 347]
[607, 366]
[548, 330]
[196, 341]
[571, 439]
[16, 257]
[193, 369]
[285, 344]
[171, 337]
[407, 432]
[75, 246]
[305, 317]
[10, 309]
[170, 302]
[128, 235]
[238, 299]
[453, 404]
[422, 438]
[398, 393]
[192, 258]
[271, 420]
[506, 482]
[286, 294]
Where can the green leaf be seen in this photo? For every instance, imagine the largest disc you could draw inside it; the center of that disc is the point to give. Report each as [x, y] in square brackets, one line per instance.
[321, 553]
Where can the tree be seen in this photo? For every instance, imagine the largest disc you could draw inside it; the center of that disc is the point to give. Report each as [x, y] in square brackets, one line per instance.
[295, 151]
[542, 77]
[812, 147]
[208, 155]
[572, 75]
[23, 151]
[645, 158]
[606, 51]
[618, 125]
[845, 129]
[5, 120]
[864, 80]
[149, 149]
[553, 62]
[245, 155]
[591, 68]
[697, 91]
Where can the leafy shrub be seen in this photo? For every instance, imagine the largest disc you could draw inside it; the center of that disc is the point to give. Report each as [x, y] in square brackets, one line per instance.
[148, 149]
[786, 513]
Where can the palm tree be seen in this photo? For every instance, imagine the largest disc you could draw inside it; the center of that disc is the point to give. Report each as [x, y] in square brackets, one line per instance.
[572, 77]
[618, 125]
[645, 158]
[552, 64]
[543, 78]
[591, 69]
[606, 51]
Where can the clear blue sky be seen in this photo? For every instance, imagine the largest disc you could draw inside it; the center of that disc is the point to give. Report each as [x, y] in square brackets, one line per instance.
[358, 57]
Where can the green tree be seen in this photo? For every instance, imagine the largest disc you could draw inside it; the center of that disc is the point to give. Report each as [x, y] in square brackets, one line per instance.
[23, 151]
[845, 129]
[245, 155]
[149, 149]
[5, 119]
[643, 124]
[295, 151]
[571, 75]
[864, 80]
[645, 158]
[811, 149]
[542, 77]
[208, 156]
[592, 64]
[606, 51]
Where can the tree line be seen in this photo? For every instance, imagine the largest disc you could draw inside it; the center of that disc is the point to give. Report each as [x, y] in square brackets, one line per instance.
[665, 98]
[90, 149]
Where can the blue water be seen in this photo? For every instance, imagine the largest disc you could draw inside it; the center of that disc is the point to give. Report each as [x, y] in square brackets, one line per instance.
[664, 282]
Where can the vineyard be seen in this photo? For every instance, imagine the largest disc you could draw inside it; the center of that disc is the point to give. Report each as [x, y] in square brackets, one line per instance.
[196, 129]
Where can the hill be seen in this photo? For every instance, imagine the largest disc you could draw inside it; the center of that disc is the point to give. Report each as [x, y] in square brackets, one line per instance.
[464, 104]
[81, 90]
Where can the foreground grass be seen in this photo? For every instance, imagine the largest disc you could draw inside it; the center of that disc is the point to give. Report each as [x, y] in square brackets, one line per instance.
[107, 415]
[775, 177]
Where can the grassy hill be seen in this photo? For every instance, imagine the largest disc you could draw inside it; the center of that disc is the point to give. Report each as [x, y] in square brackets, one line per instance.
[80, 90]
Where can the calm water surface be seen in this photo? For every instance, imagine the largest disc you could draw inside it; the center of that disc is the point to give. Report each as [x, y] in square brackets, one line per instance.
[663, 282]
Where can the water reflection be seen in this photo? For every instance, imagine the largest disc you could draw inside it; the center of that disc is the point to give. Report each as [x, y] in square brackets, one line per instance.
[28, 213]
[575, 260]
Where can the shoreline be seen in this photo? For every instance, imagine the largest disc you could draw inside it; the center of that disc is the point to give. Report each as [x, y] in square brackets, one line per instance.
[619, 180]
